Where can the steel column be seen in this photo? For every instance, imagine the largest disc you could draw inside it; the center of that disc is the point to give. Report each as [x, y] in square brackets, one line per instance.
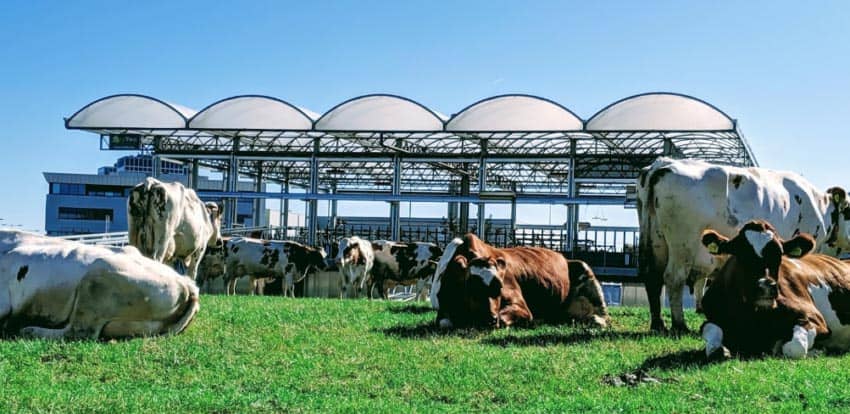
[313, 205]
[572, 191]
[482, 187]
[258, 187]
[196, 166]
[464, 206]
[233, 184]
[395, 206]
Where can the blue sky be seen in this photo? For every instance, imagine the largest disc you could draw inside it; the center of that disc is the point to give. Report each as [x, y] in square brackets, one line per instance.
[781, 68]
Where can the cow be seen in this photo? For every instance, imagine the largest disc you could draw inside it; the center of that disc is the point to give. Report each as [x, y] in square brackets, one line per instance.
[772, 294]
[260, 259]
[404, 264]
[213, 264]
[59, 289]
[355, 258]
[678, 199]
[169, 223]
[476, 284]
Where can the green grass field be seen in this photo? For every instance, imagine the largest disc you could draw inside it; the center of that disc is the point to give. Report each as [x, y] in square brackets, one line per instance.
[270, 354]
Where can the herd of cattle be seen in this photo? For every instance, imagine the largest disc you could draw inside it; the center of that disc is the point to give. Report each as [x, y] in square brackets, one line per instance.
[758, 248]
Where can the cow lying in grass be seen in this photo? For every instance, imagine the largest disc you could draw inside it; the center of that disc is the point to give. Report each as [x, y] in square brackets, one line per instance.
[53, 288]
[773, 296]
[477, 284]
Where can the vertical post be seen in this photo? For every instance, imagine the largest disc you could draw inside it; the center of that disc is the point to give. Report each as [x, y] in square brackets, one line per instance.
[451, 213]
[313, 204]
[668, 146]
[156, 162]
[395, 206]
[233, 184]
[482, 187]
[334, 209]
[572, 191]
[284, 204]
[196, 166]
[464, 206]
[513, 214]
[258, 205]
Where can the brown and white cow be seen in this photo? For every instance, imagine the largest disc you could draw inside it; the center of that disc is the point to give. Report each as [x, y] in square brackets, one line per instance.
[678, 199]
[54, 288]
[772, 295]
[478, 285]
[168, 223]
[260, 259]
[403, 264]
[355, 258]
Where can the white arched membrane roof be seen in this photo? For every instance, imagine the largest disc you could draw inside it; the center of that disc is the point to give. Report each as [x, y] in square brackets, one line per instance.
[130, 111]
[252, 112]
[660, 112]
[380, 113]
[515, 113]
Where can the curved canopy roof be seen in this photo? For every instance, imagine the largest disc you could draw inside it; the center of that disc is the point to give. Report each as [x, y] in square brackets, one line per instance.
[660, 112]
[130, 111]
[379, 113]
[508, 113]
[252, 112]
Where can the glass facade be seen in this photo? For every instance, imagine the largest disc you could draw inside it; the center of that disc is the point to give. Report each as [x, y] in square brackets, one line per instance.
[98, 214]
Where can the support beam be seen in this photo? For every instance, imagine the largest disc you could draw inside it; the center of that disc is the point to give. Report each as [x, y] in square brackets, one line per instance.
[196, 167]
[258, 203]
[463, 225]
[334, 209]
[284, 204]
[482, 187]
[157, 166]
[572, 191]
[513, 215]
[313, 205]
[233, 184]
[395, 206]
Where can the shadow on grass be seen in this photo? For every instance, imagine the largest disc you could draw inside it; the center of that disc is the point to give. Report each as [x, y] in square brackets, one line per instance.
[429, 330]
[565, 338]
[411, 309]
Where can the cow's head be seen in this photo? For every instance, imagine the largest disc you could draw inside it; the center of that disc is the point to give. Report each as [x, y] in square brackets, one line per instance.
[349, 252]
[839, 219]
[461, 297]
[425, 256]
[316, 258]
[214, 212]
[756, 254]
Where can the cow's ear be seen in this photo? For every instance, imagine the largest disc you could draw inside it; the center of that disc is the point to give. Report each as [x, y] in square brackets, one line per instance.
[715, 242]
[799, 246]
[837, 195]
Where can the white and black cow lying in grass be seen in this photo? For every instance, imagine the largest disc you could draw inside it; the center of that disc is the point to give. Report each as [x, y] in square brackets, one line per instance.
[479, 285]
[53, 288]
[255, 258]
[772, 296]
[405, 264]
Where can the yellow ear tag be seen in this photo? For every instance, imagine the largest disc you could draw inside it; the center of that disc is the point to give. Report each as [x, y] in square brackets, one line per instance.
[713, 248]
[796, 252]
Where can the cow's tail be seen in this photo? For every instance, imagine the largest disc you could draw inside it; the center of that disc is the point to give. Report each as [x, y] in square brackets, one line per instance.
[189, 310]
[646, 213]
[448, 254]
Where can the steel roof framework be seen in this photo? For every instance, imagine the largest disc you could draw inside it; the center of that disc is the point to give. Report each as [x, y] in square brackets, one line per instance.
[586, 166]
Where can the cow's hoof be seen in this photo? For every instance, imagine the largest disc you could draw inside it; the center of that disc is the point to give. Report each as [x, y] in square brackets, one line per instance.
[679, 329]
[720, 354]
[445, 324]
[658, 327]
[794, 350]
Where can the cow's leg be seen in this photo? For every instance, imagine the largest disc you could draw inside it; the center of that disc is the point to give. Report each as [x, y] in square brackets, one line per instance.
[801, 342]
[515, 314]
[674, 279]
[231, 286]
[193, 262]
[654, 285]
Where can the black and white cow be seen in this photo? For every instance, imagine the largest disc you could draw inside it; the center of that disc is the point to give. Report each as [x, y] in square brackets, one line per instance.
[354, 259]
[258, 259]
[402, 264]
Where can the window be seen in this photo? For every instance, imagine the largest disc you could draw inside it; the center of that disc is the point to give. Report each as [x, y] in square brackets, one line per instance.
[64, 188]
[95, 214]
[105, 190]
